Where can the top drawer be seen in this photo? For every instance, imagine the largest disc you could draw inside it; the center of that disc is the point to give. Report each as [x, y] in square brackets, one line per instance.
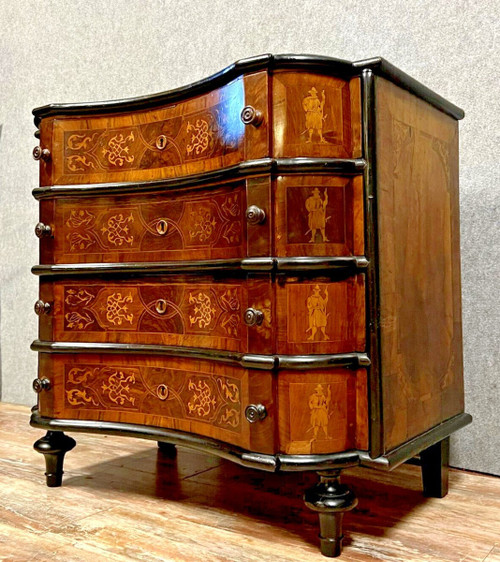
[307, 114]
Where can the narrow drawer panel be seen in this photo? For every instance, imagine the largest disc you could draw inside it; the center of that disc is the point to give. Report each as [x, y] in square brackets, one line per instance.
[180, 312]
[325, 411]
[319, 216]
[316, 115]
[194, 396]
[204, 224]
[200, 134]
[319, 315]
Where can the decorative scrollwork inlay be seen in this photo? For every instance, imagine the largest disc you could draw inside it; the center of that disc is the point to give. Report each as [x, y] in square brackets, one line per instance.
[203, 311]
[80, 297]
[202, 402]
[118, 230]
[117, 152]
[204, 225]
[78, 320]
[201, 137]
[117, 387]
[117, 309]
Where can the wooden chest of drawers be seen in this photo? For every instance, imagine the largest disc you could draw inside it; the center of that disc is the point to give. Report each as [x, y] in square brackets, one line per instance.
[263, 265]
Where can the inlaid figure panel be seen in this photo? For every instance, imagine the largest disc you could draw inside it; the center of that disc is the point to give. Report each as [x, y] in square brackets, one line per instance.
[199, 134]
[316, 115]
[321, 316]
[203, 224]
[324, 412]
[319, 216]
[171, 312]
[190, 395]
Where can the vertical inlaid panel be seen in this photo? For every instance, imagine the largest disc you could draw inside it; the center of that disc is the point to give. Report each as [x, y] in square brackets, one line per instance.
[323, 412]
[419, 264]
[319, 216]
[321, 316]
[316, 115]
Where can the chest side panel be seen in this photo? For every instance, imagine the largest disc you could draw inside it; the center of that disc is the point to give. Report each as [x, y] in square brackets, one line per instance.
[419, 264]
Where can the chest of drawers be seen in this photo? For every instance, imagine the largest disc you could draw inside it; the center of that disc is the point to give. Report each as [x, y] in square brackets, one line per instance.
[263, 265]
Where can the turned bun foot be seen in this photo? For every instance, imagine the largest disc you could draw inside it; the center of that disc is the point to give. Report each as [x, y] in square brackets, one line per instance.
[331, 500]
[53, 447]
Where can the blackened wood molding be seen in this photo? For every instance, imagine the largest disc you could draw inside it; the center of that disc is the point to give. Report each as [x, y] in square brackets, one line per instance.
[320, 64]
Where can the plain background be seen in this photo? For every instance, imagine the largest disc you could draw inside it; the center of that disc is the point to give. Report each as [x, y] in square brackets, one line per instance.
[62, 51]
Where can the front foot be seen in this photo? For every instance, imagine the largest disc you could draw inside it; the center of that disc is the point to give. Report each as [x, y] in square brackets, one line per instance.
[53, 447]
[435, 469]
[331, 500]
[167, 449]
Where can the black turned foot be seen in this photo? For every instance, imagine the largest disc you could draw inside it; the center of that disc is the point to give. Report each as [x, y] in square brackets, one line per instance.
[53, 447]
[435, 469]
[167, 449]
[331, 500]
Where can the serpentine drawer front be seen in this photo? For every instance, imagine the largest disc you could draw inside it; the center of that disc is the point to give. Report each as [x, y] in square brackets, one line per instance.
[263, 265]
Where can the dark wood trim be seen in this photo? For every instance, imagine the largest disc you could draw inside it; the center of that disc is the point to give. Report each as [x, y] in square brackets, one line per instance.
[394, 458]
[381, 67]
[311, 63]
[246, 360]
[249, 168]
[271, 463]
[371, 248]
[347, 264]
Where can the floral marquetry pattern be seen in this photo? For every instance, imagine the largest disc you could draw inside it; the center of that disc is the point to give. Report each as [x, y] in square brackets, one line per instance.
[208, 221]
[175, 308]
[207, 398]
[200, 135]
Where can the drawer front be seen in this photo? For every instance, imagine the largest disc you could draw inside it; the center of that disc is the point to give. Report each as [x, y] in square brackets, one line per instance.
[200, 134]
[188, 395]
[319, 315]
[319, 216]
[325, 411]
[204, 313]
[204, 224]
[316, 116]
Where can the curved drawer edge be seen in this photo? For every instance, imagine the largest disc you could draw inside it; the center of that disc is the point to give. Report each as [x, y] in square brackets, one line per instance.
[249, 168]
[246, 360]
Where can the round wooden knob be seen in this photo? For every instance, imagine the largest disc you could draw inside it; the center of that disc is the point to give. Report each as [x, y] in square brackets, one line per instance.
[255, 412]
[42, 307]
[41, 384]
[255, 215]
[253, 317]
[40, 153]
[43, 230]
[251, 116]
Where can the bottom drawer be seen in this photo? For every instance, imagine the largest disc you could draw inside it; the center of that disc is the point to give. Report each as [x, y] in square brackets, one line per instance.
[195, 396]
[322, 411]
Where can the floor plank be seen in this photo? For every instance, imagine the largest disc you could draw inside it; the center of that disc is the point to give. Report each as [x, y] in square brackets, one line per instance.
[124, 500]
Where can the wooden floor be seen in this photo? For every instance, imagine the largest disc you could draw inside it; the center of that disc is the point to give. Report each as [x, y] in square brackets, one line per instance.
[123, 500]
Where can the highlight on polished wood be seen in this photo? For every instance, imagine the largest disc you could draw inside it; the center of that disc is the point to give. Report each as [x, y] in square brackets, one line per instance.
[127, 500]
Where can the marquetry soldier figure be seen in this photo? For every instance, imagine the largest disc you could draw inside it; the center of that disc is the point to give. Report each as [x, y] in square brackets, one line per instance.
[318, 316]
[316, 208]
[313, 107]
[319, 404]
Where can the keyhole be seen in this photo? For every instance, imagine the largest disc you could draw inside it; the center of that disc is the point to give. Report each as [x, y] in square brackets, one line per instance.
[161, 306]
[161, 142]
[162, 391]
[162, 227]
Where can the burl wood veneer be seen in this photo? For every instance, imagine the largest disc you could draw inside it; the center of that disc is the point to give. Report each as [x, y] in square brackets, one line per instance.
[263, 265]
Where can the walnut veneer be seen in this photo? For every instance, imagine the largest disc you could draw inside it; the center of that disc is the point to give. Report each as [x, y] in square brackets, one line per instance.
[263, 265]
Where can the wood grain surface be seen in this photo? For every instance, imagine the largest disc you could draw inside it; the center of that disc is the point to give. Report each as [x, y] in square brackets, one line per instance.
[419, 264]
[195, 396]
[133, 503]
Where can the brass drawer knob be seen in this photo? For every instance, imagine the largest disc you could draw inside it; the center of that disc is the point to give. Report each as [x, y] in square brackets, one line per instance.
[40, 153]
[42, 307]
[252, 116]
[253, 317]
[255, 412]
[41, 384]
[43, 230]
[255, 215]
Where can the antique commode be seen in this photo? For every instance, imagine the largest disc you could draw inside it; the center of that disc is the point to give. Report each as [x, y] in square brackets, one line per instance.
[263, 265]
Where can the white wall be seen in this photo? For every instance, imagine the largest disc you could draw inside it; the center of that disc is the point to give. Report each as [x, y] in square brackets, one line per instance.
[62, 51]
